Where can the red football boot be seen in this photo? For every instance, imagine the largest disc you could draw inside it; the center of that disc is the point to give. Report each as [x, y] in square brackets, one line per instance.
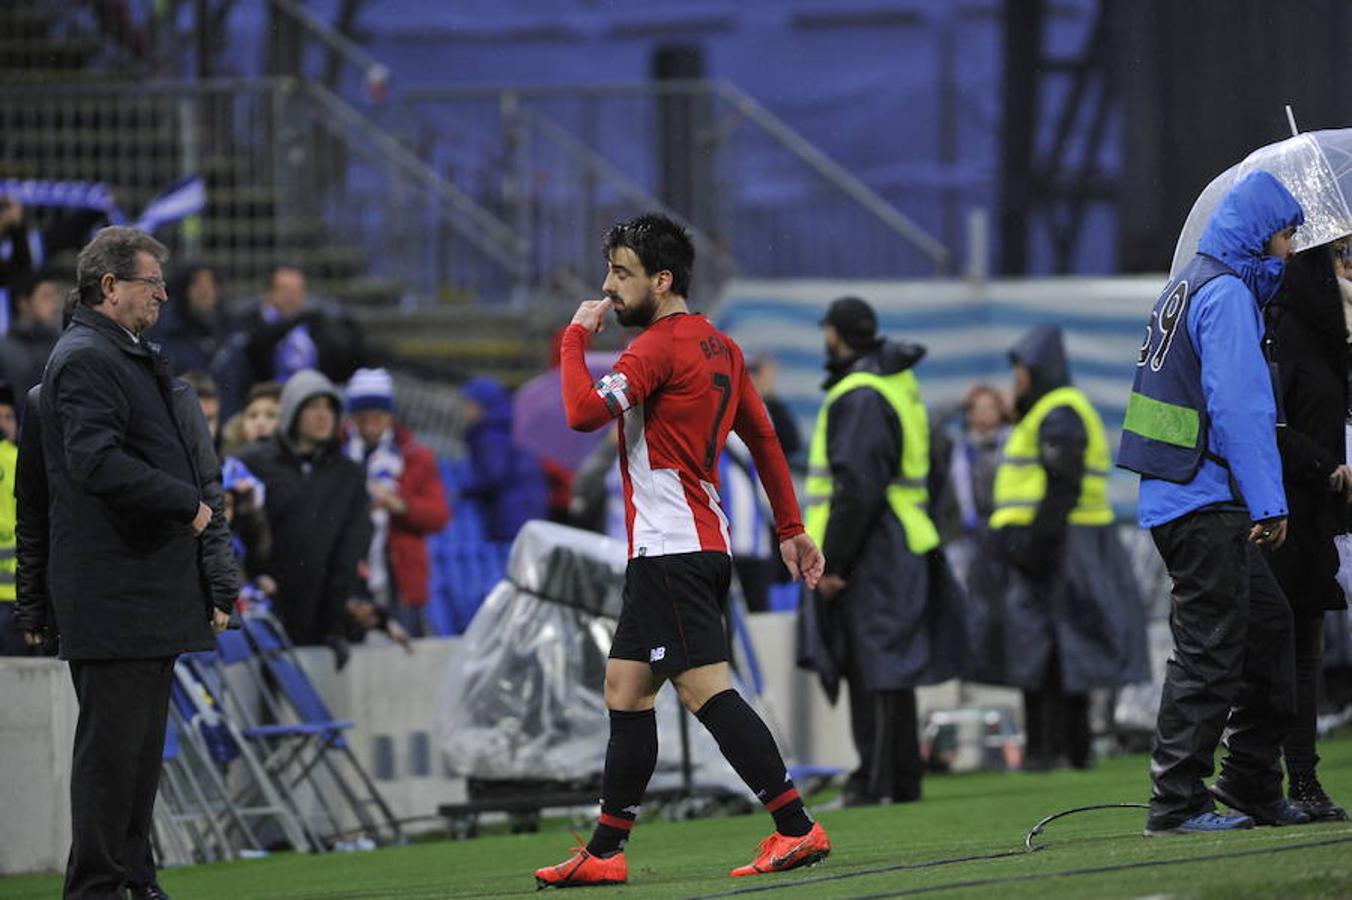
[583, 869]
[779, 853]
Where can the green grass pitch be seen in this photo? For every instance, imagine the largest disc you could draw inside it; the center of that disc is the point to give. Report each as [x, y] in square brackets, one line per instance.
[879, 852]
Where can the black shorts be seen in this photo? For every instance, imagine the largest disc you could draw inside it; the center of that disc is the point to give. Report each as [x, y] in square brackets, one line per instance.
[673, 611]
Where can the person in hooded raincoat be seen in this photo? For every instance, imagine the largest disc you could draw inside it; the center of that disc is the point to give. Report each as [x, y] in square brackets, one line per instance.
[886, 616]
[318, 512]
[1067, 615]
[505, 480]
[1201, 430]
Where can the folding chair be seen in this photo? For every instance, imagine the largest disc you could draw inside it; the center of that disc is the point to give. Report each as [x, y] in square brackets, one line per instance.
[198, 697]
[313, 737]
[181, 809]
[261, 728]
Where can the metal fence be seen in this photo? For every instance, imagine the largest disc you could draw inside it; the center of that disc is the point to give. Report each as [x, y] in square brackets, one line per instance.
[562, 163]
[139, 139]
[497, 195]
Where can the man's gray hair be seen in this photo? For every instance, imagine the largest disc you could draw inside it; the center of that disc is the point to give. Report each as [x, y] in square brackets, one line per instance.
[113, 250]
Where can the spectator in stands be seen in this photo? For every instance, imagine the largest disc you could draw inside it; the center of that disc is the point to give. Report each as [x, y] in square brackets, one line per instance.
[976, 455]
[246, 512]
[408, 501]
[288, 333]
[317, 509]
[126, 572]
[16, 253]
[764, 371]
[965, 504]
[1072, 613]
[11, 638]
[204, 386]
[192, 330]
[34, 327]
[505, 480]
[258, 419]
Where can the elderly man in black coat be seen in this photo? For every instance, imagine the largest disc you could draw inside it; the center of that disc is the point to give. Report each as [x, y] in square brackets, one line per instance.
[126, 577]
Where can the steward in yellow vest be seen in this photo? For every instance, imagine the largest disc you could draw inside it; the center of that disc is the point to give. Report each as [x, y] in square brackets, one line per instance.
[1067, 614]
[11, 638]
[887, 615]
[9, 457]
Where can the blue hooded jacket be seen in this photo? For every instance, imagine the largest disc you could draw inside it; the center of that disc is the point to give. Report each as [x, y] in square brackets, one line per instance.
[1225, 323]
[506, 480]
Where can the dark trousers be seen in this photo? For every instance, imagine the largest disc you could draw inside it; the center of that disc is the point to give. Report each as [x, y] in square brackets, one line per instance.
[1231, 668]
[119, 742]
[1056, 723]
[1299, 748]
[887, 740]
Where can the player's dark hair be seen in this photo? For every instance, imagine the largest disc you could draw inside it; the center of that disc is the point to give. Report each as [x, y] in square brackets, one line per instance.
[659, 243]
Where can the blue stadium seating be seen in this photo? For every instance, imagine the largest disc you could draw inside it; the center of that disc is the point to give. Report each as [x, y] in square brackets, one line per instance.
[464, 564]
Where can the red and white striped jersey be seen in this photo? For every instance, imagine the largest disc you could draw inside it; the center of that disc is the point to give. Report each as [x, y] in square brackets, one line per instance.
[680, 387]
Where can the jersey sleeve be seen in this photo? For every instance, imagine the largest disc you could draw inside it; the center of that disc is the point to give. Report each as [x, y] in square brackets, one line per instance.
[754, 427]
[638, 372]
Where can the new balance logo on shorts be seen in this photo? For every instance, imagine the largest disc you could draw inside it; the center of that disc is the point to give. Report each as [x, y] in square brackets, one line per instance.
[657, 653]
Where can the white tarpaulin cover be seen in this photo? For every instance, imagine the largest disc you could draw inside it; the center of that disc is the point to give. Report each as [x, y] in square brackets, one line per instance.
[523, 700]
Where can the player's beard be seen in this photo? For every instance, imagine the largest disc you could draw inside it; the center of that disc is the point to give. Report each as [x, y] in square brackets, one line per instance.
[640, 314]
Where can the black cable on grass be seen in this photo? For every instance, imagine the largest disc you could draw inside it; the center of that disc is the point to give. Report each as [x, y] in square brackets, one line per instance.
[1100, 870]
[1037, 829]
[1029, 847]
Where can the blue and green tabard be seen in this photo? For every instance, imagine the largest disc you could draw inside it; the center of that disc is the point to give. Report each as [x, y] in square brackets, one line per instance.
[1165, 432]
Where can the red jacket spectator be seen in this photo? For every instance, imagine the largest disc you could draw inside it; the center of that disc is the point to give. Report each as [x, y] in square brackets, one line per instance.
[427, 513]
[408, 501]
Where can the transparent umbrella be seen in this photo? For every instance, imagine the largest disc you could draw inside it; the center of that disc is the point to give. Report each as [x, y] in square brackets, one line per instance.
[1316, 167]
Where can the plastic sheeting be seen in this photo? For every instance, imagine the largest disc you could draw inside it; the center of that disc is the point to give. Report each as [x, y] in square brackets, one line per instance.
[1316, 167]
[524, 701]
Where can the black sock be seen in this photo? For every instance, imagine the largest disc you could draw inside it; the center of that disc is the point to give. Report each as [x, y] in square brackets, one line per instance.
[631, 757]
[750, 748]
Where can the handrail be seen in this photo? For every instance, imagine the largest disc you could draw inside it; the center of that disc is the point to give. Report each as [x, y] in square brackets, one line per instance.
[833, 172]
[376, 73]
[630, 190]
[489, 233]
[807, 152]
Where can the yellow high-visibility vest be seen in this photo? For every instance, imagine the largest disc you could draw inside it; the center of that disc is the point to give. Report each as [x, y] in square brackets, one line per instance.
[1021, 481]
[908, 493]
[9, 457]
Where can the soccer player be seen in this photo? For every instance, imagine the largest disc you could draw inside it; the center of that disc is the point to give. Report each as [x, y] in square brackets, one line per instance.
[678, 389]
